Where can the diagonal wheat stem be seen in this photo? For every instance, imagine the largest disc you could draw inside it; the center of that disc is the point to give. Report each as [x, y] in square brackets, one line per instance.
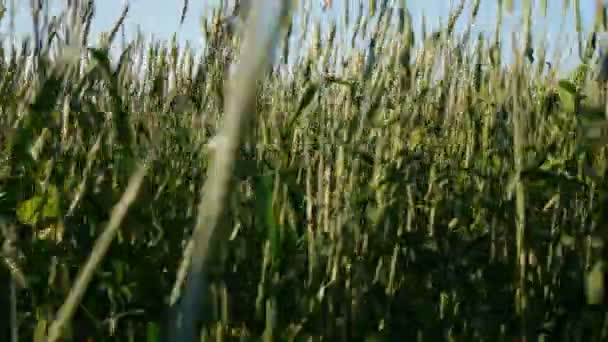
[119, 212]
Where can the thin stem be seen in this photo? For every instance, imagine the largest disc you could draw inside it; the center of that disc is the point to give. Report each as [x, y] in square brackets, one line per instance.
[100, 249]
[255, 53]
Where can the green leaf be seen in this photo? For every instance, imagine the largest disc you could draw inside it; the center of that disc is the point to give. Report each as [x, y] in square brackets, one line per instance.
[152, 332]
[46, 99]
[568, 96]
[374, 106]
[118, 267]
[40, 331]
[567, 86]
[594, 290]
[305, 100]
[120, 117]
[265, 212]
[127, 293]
[309, 94]
[416, 136]
[39, 207]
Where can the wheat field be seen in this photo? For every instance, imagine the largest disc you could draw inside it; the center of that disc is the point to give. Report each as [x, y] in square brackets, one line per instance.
[414, 186]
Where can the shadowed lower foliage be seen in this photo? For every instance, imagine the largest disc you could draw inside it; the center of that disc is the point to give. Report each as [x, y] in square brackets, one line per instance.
[413, 187]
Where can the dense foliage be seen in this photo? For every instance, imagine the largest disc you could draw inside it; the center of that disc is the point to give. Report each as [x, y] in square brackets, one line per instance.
[403, 191]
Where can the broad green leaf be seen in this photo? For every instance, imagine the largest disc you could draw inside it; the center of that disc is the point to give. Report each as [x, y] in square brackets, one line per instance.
[567, 95]
[40, 331]
[152, 332]
[264, 195]
[595, 287]
[39, 207]
[416, 136]
[567, 240]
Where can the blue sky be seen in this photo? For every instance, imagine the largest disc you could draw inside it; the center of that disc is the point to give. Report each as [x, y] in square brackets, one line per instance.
[161, 18]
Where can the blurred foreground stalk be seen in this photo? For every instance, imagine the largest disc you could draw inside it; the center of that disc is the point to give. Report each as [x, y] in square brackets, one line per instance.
[260, 37]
